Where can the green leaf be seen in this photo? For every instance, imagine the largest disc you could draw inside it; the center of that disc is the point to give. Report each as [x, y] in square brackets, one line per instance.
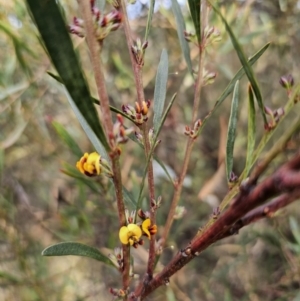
[57, 41]
[231, 84]
[10, 278]
[160, 89]
[73, 172]
[295, 228]
[86, 127]
[75, 248]
[19, 46]
[149, 19]
[247, 67]
[94, 100]
[128, 198]
[180, 31]
[67, 139]
[251, 131]
[163, 119]
[232, 130]
[195, 13]
[164, 168]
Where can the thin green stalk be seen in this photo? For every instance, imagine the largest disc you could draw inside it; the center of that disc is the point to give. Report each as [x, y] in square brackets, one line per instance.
[108, 123]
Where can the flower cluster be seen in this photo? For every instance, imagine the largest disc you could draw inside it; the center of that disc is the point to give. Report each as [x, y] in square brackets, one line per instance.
[138, 51]
[193, 133]
[274, 115]
[103, 24]
[137, 113]
[120, 134]
[132, 233]
[93, 165]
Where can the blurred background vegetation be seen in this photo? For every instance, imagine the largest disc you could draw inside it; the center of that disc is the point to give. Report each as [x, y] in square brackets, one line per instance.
[41, 205]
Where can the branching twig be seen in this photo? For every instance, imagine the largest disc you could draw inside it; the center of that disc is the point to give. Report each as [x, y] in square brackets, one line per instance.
[266, 210]
[286, 180]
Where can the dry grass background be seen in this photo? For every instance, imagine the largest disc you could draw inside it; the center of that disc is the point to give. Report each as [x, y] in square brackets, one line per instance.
[39, 205]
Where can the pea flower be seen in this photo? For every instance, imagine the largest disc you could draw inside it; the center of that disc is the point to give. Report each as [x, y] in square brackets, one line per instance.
[89, 164]
[148, 229]
[130, 234]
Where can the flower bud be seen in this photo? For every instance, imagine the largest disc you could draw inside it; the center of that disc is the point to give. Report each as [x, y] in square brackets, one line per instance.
[287, 81]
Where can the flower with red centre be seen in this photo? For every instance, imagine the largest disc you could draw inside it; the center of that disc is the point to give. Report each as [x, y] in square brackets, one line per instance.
[148, 229]
[89, 164]
[130, 234]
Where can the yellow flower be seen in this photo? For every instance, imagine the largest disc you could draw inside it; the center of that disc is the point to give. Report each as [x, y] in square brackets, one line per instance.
[130, 234]
[148, 229]
[89, 164]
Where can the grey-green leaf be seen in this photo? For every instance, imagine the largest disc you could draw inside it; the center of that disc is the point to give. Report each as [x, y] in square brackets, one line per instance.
[232, 130]
[160, 89]
[67, 139]
[57, 41]
[86, 127]
[247, 67]
[78, 249]
[251, 131]
[180, 31]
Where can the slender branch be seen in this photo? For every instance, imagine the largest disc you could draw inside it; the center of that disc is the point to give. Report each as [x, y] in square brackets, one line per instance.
[275, 150]
[108, 123]
[137, 71]
[266, 210]
[287, 179]
[97, 65]
[190, 143]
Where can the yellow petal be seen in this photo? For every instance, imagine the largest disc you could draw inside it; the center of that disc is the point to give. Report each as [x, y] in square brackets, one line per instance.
[123, 235]
[89, 164]
[145, 226]
[135, 230]
[130, 234]
[81, 162]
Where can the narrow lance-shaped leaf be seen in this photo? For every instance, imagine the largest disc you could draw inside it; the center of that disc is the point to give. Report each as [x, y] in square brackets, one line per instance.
[67, 139]
[251, 131]
[160, 89]
[231, 84]
[245, 64]
[196, 16]
[94, 100]
[232, 130]
[86, 127]
[149, 19]
[128, 198]
[57, 41]
[180, 31]
[75, 248]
